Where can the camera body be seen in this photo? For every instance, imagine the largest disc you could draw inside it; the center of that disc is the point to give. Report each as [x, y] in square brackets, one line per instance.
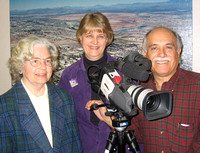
[110, 86]
[123, 95]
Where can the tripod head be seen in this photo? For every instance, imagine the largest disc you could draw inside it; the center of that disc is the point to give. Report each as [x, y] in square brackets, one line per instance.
[121, 121]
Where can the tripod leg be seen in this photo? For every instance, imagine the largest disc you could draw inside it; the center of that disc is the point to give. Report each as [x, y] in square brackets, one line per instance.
[121, 142]
[131, 141]
[111, 143]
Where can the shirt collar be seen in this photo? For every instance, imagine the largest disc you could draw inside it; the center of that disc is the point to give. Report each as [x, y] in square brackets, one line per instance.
[171, 83]
[44, 96]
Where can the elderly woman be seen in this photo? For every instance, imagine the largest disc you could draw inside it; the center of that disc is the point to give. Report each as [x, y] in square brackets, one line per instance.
[36, 116]
[94, 34]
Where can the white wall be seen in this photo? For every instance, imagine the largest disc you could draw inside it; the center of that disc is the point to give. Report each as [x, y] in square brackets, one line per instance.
[196, 36]
[5, 80]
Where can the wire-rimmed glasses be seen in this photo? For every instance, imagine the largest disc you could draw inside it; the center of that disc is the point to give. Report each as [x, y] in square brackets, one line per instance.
[36, 62]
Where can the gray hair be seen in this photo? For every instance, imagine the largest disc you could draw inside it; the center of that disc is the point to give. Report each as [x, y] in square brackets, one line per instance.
[176, 35]
[24, 50]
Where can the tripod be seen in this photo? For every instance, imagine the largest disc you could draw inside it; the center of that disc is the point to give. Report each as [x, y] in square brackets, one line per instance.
[120, 136]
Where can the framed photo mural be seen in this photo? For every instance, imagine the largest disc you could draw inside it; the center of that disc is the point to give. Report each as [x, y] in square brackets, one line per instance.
[130, 20]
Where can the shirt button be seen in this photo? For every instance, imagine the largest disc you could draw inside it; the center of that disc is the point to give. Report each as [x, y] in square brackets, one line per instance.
[161, 132]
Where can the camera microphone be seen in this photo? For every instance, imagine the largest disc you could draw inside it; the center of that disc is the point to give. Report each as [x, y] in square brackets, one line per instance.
[134, 66]
[133, 71]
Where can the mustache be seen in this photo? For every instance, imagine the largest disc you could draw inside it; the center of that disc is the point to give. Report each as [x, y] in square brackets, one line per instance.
[161, 59]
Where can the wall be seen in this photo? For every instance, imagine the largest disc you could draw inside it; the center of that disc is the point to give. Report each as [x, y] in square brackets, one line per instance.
[5, 80]
[196, 36]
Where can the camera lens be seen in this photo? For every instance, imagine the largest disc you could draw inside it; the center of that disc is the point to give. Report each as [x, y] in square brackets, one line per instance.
[152, 103]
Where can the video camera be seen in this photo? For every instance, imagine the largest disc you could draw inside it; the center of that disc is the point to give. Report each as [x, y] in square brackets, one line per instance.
[119, 82]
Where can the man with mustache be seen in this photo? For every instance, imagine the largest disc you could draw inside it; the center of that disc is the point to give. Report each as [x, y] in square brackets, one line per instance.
[179, 132]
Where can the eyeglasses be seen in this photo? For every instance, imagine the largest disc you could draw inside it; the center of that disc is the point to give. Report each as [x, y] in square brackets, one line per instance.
[36, 62]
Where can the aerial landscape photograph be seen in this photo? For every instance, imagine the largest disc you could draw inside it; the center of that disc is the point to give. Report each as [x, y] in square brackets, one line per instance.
[130, 20]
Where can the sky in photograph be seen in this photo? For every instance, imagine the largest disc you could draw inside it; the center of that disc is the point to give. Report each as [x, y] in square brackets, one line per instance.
[34, 4]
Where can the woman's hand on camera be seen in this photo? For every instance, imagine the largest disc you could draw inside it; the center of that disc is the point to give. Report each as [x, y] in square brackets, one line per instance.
[100, 112]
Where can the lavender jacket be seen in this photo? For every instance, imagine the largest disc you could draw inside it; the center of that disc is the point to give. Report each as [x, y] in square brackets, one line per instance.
[74, 80]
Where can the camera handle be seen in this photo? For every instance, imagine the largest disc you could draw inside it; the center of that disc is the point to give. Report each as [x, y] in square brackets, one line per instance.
[120, 137]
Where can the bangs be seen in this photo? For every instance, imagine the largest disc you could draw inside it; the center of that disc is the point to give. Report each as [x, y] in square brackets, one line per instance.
[90, 30]
[93, 27]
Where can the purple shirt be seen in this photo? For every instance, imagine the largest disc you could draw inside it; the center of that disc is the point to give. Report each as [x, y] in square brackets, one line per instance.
[74, 79]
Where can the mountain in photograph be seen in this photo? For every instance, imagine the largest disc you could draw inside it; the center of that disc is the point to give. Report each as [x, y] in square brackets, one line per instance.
[122, 8]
